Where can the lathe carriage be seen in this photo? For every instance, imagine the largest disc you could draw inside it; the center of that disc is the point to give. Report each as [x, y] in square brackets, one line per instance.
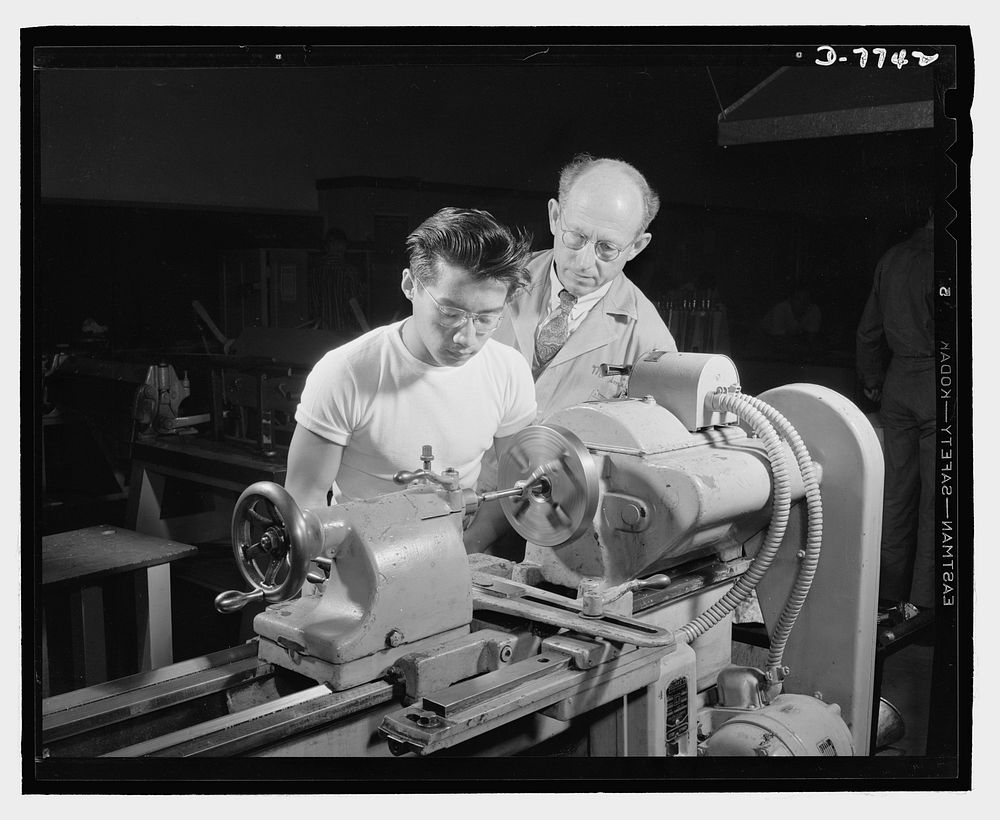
[648, 520]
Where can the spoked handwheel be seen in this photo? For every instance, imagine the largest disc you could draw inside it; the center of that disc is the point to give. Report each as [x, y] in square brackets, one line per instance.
[271, 546]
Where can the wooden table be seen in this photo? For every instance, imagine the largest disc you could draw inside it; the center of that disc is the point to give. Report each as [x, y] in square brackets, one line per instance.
[79, 562]
[218, 471]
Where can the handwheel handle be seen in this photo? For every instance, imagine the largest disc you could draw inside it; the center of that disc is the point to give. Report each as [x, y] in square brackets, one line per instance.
[234, 601]
[302, 535]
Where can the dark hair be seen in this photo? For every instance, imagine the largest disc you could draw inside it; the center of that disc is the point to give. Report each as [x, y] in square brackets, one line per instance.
[474, 241]
[582, 163]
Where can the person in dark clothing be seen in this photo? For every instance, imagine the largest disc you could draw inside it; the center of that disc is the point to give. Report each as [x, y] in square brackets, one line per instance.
[898, 326]
[333, 284]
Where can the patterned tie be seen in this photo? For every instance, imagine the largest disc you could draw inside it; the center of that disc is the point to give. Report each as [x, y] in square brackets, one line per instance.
[552, 335]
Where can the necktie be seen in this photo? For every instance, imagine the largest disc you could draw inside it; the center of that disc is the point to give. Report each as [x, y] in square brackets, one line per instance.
[552, 335]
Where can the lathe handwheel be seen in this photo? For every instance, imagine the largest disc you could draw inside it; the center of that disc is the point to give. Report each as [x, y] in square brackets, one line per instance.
[561, 507]
[270, 541]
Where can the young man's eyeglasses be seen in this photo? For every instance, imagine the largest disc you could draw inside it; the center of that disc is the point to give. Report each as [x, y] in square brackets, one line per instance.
[452, 317]
[603, 250]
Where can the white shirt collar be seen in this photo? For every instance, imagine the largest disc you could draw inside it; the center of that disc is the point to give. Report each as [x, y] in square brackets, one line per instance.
[583, 303]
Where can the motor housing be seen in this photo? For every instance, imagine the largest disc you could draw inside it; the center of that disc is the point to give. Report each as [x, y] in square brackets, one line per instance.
[790, 726]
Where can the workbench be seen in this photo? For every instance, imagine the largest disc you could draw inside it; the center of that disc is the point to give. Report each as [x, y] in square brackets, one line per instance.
[216, 470]
[78, 564]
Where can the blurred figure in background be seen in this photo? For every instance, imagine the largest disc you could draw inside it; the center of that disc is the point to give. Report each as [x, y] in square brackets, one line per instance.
[795, 317]
[333, 284]
[895, 362]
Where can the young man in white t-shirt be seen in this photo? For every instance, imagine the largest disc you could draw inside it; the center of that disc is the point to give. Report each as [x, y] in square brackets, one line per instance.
[436, 378]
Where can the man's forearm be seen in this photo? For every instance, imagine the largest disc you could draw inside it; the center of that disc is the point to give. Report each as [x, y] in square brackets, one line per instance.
[308, 495]
[313, 465]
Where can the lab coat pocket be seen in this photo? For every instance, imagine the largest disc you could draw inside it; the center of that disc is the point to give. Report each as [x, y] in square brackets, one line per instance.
[607, 387]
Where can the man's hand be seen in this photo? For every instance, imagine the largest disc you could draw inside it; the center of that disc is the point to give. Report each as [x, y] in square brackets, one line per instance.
[874, 394]
[489, 525]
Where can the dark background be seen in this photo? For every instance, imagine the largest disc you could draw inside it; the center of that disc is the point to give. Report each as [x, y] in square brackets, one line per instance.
[147, 164]
[147, 172]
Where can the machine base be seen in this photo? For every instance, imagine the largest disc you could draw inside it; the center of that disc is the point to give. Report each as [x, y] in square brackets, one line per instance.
[340, 676]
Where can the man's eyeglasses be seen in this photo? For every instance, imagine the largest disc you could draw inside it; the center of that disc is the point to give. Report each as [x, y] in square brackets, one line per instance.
[603, 250]
[452, 317]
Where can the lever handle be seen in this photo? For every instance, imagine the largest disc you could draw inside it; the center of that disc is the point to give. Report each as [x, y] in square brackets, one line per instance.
[658, 581]
[325, 565]
[406, 476]
[594, 599]
[234, 600]
[448, 479]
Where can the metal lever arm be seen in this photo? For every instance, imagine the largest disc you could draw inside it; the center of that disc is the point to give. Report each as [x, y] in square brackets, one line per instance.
[449, 480]
[658, 581]
[593, 598]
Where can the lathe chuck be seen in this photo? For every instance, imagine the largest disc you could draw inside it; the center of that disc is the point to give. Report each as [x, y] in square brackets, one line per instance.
[561, 506]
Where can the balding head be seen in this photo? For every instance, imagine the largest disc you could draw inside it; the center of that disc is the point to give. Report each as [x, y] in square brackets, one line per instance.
[599, 222]
[612, 178]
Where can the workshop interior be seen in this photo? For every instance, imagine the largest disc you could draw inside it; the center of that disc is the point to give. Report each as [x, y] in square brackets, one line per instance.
[700, 571]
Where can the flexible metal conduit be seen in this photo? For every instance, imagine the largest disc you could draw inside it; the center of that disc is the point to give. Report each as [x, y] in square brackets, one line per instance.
[780, 507]
[814, 531]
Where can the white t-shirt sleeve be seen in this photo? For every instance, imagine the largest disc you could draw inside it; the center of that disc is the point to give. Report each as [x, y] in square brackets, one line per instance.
[329, 403]
[519, 405]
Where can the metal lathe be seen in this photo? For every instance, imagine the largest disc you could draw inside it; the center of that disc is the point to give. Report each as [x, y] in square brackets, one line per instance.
[648, 520]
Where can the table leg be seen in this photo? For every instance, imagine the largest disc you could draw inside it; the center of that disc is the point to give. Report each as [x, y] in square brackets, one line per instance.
[154, 630]
[87, 625]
